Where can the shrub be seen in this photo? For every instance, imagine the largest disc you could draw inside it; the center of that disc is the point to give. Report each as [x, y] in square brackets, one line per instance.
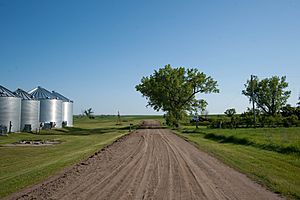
[290, 121]
[220, 123]
[273, 121]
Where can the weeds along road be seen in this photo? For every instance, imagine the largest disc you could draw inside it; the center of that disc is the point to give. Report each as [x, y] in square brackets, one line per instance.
[148, 164]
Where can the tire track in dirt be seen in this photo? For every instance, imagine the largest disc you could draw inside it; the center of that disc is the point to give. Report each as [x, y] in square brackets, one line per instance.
[102, 177]
[187, 174]
[148, 164]
[205, 191]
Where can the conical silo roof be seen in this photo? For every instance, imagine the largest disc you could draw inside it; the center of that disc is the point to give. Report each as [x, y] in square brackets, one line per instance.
[41, 93]
[61, 97]
[6, 92]
[22, 94]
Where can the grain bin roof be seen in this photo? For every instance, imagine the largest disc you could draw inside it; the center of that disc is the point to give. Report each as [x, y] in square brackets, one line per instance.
[6, 92]
[61, 97]
[40, 93]
[22, 94]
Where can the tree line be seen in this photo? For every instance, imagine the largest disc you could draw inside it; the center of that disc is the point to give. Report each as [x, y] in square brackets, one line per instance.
[174, 91]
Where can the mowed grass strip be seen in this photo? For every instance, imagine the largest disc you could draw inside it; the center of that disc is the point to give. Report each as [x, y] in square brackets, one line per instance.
[24, 166]
[280, 172]
[282, 140]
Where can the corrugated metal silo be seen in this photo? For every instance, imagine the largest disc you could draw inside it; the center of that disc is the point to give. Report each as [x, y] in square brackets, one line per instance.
[50, 106]
[10, 110]
[67, 114]
[30, 110]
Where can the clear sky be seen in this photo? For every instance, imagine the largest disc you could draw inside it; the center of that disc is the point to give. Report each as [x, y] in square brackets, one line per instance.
[95, 52]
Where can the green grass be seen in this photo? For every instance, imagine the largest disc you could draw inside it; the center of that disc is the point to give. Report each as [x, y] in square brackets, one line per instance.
[282, 140]
[110, 121]
[255, 153]
[24, 166]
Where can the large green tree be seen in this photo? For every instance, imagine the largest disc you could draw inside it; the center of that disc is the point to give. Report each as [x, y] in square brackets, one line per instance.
[269, 94]
[173, 90]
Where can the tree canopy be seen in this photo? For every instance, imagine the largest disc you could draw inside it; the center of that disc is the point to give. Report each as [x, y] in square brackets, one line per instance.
[230, 112]
[269, 94]
[173, 90]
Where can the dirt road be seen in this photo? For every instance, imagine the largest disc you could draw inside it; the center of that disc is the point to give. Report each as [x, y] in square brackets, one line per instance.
[148, 164]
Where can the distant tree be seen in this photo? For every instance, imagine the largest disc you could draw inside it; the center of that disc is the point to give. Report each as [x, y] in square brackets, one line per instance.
[230, 112]
[269, 94]
[89, 113]
[173, 90]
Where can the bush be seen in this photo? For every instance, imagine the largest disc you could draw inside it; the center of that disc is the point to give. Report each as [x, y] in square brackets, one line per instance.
[272, 121]
[204, 123]
[220, 123]
[247, 119]
[290, 121]
[297, 112]
[263, 120]
[215, 124]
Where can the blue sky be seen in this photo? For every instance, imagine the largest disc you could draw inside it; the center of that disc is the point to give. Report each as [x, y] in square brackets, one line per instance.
[95, 52]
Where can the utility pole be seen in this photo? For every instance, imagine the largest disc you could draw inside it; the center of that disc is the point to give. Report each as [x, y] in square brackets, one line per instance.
[253, 103]
[119, 119]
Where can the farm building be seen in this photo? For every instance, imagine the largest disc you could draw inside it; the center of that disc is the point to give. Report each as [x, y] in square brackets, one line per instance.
[10, 110]
[30, 111]
[67, 109]
[50, 107]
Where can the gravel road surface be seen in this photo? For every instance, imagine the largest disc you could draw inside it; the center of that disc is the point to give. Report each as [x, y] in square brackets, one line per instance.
[148, 164]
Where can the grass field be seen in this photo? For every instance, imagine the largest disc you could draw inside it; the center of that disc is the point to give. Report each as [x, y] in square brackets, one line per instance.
[269, 155]
[282, 140]
[23, 166]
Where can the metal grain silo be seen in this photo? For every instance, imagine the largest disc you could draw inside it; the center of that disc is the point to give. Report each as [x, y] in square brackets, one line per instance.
[50, 106]
[30, 111]
[67, 105]
[10, 110]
